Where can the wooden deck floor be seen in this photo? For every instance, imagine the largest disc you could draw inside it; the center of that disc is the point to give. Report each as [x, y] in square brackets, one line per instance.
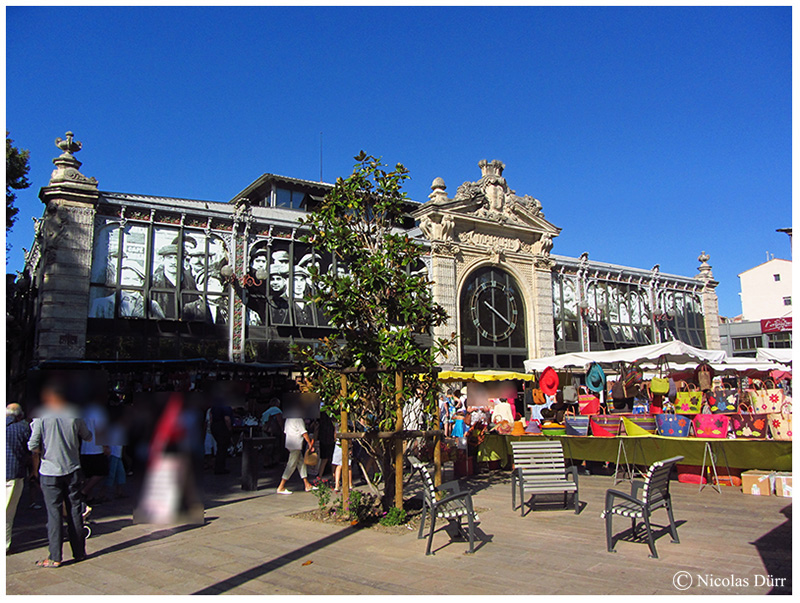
[730, 543]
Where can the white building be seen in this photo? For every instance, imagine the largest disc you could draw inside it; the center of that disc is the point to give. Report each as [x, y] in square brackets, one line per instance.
[767, 290]
[766, 320]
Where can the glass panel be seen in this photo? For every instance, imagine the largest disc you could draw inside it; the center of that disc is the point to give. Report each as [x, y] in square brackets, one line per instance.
[278, 285]
[102, 302]
[283, 197]
[105, 254]
[304, 311]
[257, 266]
[131, 304]
[165, 258]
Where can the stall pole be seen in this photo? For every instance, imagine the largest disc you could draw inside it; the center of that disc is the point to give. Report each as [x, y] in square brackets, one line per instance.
[398, 442]
[345, 444]
[437, 461]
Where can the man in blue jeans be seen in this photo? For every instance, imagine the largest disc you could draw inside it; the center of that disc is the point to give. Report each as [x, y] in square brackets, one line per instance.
[55, 442]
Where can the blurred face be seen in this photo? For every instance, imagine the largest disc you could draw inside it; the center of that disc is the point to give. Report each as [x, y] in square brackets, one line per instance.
[52, 400]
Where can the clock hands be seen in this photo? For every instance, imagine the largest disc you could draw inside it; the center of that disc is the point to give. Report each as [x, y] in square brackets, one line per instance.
[493, 309]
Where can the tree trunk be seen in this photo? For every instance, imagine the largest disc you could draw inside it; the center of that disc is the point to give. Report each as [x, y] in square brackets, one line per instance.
[387, 501]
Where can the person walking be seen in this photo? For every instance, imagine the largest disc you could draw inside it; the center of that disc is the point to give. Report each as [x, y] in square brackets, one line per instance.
[55, 442]
[327, 440]
[295, 430]
[221, 430]
[18, 432]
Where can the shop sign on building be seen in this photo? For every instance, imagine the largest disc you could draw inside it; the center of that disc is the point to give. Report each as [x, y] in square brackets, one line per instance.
[776, 325]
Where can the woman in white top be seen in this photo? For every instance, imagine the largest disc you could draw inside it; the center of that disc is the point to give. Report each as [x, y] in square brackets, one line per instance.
[295, 430]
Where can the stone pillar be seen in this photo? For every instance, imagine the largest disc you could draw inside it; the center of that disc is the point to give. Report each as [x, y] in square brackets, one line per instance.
[710, 303]
[542, 329]
[65, 270]
[443, 275]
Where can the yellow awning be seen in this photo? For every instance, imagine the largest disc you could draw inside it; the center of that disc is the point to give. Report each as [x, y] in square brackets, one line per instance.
[481, 376]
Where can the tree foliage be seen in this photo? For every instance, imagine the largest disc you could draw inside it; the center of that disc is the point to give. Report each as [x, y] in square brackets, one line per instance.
[17, 168]
[381, 308]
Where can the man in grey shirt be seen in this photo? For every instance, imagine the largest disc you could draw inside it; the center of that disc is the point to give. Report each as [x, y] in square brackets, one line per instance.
[55, 442]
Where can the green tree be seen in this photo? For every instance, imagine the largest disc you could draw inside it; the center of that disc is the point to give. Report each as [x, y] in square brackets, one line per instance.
[381, 310]
[17, 168]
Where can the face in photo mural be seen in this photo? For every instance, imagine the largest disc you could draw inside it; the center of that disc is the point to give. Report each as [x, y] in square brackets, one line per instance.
[278, 287]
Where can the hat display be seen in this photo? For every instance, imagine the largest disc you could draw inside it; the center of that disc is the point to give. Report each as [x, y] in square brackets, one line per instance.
[548, 382]
[596, 378]
[519, 429]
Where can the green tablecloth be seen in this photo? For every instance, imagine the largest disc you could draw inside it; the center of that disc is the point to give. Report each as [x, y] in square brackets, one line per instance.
[742, 454]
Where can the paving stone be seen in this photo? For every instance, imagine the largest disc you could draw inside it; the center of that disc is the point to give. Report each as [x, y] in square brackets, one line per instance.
[251, 545]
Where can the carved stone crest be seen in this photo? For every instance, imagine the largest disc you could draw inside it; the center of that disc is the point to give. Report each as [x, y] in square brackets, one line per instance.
[447, 248]
[437, 230]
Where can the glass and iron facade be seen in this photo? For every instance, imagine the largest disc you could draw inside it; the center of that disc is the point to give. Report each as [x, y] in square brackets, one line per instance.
[173, 278]
[599, 306]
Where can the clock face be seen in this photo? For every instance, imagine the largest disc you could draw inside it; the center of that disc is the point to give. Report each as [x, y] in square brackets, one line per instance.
[493, 309]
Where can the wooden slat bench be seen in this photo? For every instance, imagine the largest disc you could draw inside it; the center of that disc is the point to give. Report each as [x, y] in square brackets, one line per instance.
[539, 468]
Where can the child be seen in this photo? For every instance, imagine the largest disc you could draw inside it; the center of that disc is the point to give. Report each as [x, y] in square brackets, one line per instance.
[337, 468]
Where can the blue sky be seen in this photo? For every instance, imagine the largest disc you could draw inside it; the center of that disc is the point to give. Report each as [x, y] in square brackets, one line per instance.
[649, 134]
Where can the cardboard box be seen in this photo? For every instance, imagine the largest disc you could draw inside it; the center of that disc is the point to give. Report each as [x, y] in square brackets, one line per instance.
[783, 484]
[756, 482]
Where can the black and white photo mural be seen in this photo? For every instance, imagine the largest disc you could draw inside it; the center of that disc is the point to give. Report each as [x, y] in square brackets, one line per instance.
[158, 272]
[280, 290]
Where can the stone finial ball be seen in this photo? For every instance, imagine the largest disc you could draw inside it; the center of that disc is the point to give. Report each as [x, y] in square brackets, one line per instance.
[438, 183]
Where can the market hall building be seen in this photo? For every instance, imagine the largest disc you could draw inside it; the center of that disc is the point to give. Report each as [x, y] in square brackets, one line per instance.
[113, 276]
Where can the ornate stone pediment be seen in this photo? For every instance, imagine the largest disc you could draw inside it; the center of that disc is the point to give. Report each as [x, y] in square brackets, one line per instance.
[478, 208]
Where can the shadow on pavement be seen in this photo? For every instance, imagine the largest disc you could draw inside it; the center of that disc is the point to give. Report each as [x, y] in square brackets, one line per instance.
[153, 536]
[775, 549]
[260, 570]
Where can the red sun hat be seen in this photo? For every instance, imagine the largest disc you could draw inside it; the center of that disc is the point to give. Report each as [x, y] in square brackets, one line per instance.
[548, 382]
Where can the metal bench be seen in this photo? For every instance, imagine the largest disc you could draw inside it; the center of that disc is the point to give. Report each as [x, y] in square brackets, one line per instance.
[539, 468]
[655, 494]
[454, 507]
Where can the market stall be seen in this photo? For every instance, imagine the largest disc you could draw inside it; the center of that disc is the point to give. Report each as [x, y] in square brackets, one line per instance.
[709, 374]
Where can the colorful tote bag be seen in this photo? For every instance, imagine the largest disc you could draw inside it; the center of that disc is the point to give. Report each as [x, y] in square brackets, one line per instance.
[749, 426]
[705, 376]
[660, 385]
[689, 401]
[724, 401]
[576, 426]
[673, 426]
[766, 399]
[711, 426]
[588, 403]
[780, 424]
[606, 426]
[647, 422]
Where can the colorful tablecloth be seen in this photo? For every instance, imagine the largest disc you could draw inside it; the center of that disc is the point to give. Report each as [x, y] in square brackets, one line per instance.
[770, 455]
